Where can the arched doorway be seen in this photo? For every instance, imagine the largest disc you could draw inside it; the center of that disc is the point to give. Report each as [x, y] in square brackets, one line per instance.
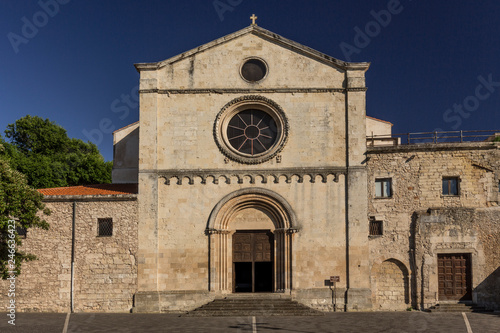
[258, 224]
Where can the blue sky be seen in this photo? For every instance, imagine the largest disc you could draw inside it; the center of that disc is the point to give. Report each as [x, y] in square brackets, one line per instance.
[434, 64]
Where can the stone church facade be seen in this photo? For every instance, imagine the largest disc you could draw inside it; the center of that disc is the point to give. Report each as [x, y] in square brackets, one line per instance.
[254, 175]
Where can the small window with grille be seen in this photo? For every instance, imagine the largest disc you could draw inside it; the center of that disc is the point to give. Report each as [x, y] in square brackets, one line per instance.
[375, 227]
[21, 231]
[105, 227]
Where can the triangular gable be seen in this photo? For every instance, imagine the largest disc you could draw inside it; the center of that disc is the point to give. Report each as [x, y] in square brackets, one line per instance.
[265, 34]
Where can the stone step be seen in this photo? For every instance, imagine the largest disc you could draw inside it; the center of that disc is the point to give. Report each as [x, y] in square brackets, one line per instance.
[450, 309]
[236, 303]
[249, 306]
[254, 300]
[255, 310]
[250, 313]
[252, 306]
[257, 296]
[457, 307]
[248, 309]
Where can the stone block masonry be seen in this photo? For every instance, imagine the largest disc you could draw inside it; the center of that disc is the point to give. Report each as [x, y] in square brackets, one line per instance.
[421, 223]
[105, 268]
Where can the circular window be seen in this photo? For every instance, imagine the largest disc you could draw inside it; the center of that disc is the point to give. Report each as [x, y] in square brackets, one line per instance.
[254, 70]
[251, 129]
[251, 132]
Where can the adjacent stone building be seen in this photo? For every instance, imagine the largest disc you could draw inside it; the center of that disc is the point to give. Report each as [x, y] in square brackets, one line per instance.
[86, 261]
[254, 175]
[435, 220]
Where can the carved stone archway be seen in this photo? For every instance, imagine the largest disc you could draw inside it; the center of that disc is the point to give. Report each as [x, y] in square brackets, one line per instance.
[219, 232]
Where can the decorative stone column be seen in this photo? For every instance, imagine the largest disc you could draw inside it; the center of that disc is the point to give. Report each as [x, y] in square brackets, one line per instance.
[219, 266]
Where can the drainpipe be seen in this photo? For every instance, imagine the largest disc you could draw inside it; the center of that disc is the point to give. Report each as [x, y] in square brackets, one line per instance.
[346, 192]
[72, 291]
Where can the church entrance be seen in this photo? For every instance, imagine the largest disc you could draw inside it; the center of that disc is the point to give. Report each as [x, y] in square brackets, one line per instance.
[253, 261]
[250, 243]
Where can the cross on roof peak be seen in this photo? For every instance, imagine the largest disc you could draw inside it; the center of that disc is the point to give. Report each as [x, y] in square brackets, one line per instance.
[253, 18]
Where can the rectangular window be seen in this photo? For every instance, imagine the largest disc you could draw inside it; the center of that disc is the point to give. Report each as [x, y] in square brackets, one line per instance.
[375, 228]
[383, 188]
[105, 227]
[450, 185]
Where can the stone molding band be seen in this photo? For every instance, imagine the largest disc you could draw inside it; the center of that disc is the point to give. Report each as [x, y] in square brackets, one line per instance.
[209, 232]
[249, 91]
[254, 175]
[288, 231]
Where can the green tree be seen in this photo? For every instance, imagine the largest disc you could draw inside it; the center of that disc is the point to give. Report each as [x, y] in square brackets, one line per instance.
[20, 203]
[42, 150]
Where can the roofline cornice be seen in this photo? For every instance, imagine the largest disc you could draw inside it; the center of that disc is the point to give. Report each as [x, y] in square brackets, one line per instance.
[432, 147]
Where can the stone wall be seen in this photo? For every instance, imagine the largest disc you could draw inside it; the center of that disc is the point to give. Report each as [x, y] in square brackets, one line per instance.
[488, 224]
[475, 232]
[44, 284]
[126, 154]
[105, 277]
[378, 127]
[419, 222]
[390, 286]
[318, 245]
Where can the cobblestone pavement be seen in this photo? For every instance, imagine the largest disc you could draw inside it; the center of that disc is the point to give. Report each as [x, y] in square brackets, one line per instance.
[386, 322]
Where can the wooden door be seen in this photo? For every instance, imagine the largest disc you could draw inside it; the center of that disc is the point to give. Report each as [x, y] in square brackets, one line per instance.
[454, 275]
[242, 247]
[250, 247]
[262, 247]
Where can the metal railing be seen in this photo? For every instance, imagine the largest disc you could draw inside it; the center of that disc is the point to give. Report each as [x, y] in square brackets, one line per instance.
[432, 137]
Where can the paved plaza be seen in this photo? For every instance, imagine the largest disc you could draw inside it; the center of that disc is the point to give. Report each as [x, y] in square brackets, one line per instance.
[335, 322]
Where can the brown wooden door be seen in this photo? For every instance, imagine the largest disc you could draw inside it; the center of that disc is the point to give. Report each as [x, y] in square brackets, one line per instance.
[242, 247]
[454, 275]
[262, 246]
[249, 248]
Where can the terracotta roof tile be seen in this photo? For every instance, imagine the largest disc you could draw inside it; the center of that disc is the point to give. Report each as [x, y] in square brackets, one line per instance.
[99, 189]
